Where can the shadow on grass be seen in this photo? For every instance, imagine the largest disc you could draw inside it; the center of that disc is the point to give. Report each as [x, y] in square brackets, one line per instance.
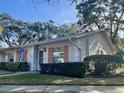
[50, 79]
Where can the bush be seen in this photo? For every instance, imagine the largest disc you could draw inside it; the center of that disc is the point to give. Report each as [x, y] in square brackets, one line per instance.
[14, 66]
[120, 53]
[103, 64]
[23, 66]
[76, 69]
[11, 66]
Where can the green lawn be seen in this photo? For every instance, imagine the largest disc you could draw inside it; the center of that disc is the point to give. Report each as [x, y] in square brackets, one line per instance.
[49, 79]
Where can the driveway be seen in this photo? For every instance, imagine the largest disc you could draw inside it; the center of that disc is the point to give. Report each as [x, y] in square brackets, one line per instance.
[60, 89]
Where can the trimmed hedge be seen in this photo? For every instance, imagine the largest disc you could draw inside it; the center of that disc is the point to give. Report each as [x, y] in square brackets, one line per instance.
[76, 69]
[14, 66]
[103, 64]
[104, 58]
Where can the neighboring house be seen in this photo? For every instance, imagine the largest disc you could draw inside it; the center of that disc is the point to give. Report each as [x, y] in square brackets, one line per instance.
[67, 49]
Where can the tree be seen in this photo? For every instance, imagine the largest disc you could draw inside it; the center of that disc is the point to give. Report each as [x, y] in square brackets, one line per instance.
[36, 29]
[120, 47]
[15, 32]
[6, 22]
[120, 43]
[22, 34]
[102, 14]
[68, 29]
[51, 29]
[43, 31]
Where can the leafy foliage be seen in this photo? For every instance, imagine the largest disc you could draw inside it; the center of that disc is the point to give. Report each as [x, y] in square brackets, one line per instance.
[68, 29]
[120, 44]
[14, 66]
[76, 69]
[103, 64]
[15, 32]
[43, 31]
[102, 14]
[120, 52]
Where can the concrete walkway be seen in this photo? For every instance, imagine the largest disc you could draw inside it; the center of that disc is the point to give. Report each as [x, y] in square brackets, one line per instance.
[17, 73]
[60, 89]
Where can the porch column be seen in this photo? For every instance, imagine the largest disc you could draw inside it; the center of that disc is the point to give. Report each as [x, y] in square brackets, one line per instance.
[6, 57]
[35, 58]
[15, 55]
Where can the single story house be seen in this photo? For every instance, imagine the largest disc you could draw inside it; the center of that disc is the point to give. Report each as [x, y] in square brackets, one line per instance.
[67, 49]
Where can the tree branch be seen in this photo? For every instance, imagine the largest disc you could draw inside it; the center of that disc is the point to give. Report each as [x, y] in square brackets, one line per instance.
[117, 27]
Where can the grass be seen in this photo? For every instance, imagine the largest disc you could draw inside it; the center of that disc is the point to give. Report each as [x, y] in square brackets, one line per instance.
[50, 79]
[2, 72]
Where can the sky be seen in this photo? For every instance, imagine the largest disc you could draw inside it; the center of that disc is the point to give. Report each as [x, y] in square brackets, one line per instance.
[60, 12]
[121, 34]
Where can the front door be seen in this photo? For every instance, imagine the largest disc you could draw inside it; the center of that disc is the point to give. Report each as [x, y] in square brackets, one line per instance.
[41, 57]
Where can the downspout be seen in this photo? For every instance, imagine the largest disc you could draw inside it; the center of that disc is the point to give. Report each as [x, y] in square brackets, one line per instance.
[79, 49]
[87, 44]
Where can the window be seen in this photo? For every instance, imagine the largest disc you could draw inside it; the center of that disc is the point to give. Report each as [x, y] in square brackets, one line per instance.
[41, 57]
[11, 58]
[58, 54]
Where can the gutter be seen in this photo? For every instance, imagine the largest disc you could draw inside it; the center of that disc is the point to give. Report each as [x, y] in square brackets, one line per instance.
[79, 49]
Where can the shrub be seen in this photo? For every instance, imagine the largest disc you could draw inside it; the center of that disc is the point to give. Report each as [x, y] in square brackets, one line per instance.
[23, 66]
[11, 66]
[103, 64]
[120, 53]
[76, 69]
[2, 65]
[14, 66]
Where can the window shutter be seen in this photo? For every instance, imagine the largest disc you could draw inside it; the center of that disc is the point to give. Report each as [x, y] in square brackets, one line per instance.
[66, 53]
[26, 55]
[17, 56]
[49, 55]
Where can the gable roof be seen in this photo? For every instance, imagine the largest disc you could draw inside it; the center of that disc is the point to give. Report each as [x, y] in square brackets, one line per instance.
[64, 38]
